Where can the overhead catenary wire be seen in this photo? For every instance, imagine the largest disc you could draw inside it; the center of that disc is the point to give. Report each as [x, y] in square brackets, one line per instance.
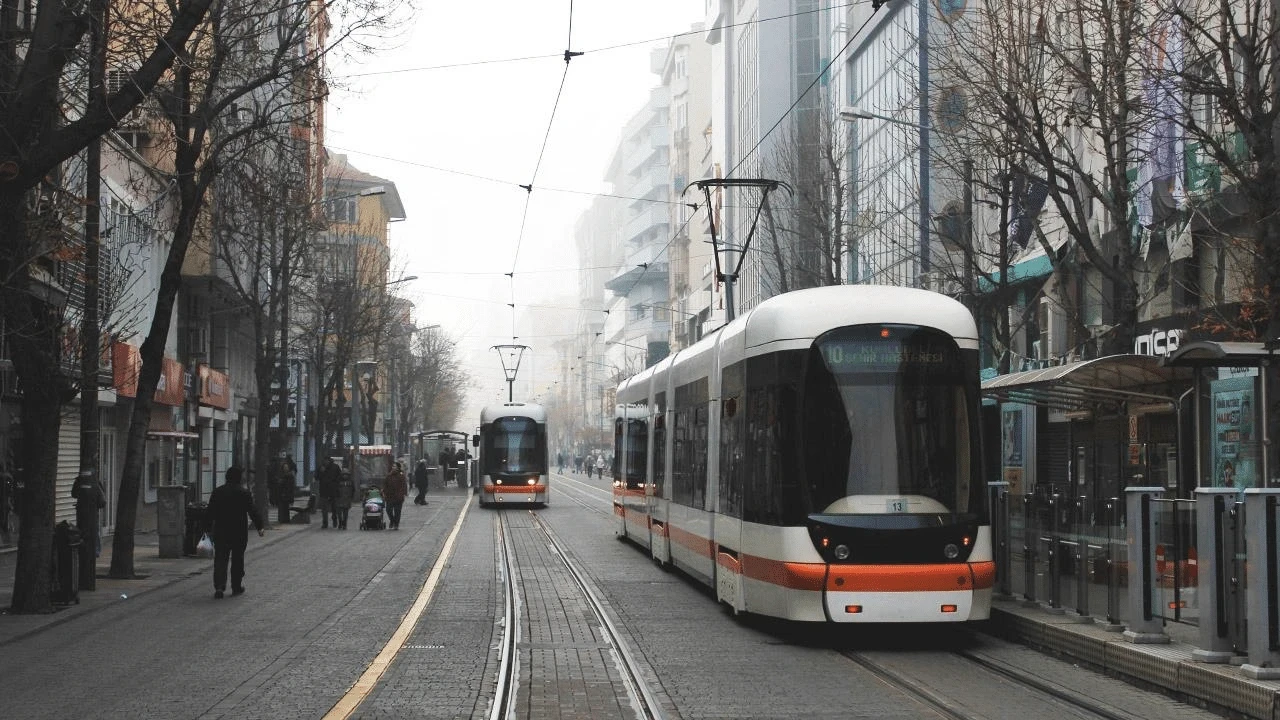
[602, 49]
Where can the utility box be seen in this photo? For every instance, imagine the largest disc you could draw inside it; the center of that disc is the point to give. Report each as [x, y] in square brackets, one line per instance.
[171, 523]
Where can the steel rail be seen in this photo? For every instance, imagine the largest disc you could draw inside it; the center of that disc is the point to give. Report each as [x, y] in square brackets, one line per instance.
[504, 697]
[637, 687]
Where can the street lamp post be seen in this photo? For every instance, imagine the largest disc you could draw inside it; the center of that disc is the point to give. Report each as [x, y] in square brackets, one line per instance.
[853, 114]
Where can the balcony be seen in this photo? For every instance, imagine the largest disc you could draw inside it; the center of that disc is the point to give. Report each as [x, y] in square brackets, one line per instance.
[649, 220]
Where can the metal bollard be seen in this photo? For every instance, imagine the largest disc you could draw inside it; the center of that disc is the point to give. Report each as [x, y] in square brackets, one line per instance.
[1262, 586]
[999, 502]
[1029, 550]
[1145, 626]
[1082, 562]
[1113, 573]
[1214, 567]
[1055, 571]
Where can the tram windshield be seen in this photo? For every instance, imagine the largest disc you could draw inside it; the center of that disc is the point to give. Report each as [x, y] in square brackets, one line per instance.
[888, 425]
[514, 445]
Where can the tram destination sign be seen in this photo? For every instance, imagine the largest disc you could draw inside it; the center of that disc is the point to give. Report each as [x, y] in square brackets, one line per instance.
[888, 356]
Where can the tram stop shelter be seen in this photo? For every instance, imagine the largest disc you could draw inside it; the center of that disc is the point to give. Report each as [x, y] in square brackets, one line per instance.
[1089, 428]
[1236, 415]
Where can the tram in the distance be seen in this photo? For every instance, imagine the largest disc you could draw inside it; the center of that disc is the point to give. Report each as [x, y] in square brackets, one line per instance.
[512, 455]
[817, 459]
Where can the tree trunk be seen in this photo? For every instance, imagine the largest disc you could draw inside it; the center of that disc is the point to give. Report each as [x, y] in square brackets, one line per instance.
[41, 418]
[152, 354]
[33, 329]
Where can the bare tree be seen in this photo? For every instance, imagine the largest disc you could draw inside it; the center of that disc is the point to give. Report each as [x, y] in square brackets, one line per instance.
[1219, 63]
[1060, 84]
[250, 59]
[40, 52]
[264, 242]
[808, 241]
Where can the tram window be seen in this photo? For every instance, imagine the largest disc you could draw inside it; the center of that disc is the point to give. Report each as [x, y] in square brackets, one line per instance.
[660, 444]
[689, 450]
[732, 416]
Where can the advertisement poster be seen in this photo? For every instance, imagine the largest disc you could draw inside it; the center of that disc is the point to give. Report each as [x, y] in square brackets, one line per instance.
[1016, 446]
[1235, 443]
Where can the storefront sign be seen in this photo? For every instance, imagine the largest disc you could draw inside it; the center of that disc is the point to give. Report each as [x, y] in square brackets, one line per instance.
[1160, 343]
[215, 388]
[127, 366]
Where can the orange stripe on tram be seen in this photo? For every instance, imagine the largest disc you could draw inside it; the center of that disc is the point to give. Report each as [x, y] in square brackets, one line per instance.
[515, 488]
[906, 578]
[696, 543]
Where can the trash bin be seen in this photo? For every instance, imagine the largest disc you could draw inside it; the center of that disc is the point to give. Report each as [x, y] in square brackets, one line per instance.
[66, 564]
[194, 527]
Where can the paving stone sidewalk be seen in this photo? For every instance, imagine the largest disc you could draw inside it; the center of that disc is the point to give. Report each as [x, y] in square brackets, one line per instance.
[152, 572]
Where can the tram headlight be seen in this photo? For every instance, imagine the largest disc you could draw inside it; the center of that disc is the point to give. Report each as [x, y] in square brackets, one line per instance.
[532, 481]
[841, 552]
[951, 551]
[497, 481]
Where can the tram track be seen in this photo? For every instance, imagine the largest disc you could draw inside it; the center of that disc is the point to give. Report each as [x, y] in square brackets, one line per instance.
[924, 688]
[641, 697]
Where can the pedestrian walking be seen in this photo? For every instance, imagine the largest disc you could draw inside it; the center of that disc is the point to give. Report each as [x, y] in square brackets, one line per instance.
[342, 500]
[420, 479]
[560, 462]
[227, 520]
[577, 463]
[600, 466]
[284, 485]
[446, 466]
[395, 488]
[330, 476]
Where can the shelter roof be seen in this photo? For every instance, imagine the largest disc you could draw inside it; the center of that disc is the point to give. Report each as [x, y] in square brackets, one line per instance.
[1086, 383]
[1211, 353]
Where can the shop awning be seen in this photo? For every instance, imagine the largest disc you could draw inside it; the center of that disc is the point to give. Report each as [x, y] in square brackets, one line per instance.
[1210, 353]
[171, 435]
[1085, 383]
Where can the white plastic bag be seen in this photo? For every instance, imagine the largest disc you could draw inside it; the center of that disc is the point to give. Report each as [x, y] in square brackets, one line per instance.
[204, 548]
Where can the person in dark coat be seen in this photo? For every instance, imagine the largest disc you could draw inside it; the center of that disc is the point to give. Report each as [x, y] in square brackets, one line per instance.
[230, 509]
[446, 466]
[394, 490]
[330, 476]
[343, 500]
[420, 479]
[286, 474]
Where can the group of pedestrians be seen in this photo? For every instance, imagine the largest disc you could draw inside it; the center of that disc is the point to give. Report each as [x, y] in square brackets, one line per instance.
[593, 463]
[335, 494]
[231, 510]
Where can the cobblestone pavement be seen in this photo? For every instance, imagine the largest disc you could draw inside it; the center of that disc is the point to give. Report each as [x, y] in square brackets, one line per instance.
[321, 604]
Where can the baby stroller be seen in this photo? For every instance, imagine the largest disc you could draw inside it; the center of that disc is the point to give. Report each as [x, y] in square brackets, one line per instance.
[372, 509]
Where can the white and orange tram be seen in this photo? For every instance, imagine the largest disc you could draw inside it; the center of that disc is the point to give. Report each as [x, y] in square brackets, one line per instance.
[817, 459]
[512, 455]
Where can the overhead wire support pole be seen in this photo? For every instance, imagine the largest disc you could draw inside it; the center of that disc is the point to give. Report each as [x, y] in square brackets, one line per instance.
[510, 355]
[767, 186]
